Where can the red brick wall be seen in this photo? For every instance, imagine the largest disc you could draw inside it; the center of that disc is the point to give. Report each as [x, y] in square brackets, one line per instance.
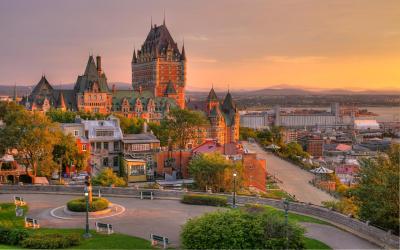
[162, 156]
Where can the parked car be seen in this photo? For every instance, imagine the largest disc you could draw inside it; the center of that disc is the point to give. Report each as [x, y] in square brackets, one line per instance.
[80, 177]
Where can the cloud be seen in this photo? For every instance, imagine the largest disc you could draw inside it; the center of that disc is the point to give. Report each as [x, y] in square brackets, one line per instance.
[293, 59]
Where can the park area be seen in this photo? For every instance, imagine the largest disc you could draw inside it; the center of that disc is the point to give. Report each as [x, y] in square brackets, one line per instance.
[139, 219]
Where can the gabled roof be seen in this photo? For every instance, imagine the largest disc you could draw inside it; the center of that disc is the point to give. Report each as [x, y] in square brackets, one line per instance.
[43, 85]
[91, 75]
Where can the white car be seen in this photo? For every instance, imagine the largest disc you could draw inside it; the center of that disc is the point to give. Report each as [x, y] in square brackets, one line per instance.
[80, 177]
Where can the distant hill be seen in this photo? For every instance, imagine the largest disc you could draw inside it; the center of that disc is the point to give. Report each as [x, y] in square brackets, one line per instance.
[279, 90]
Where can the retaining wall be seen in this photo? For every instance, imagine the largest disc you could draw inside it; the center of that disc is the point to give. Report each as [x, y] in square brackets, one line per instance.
[362, 229]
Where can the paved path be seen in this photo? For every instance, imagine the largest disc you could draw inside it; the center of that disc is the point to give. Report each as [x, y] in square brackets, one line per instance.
[295, 180]
[336, 238]
[164, 217]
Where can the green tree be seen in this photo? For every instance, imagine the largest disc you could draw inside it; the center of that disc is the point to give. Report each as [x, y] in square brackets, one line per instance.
[246, 133]
[183, 126]
[108, 178]
[377, 193]
[66, 151]
[294, 151]
[33, 135]
[236, 229]
[161, 131]
[130, 125]
[214, 171]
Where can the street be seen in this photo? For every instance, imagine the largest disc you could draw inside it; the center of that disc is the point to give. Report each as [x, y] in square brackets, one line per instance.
[295, 180]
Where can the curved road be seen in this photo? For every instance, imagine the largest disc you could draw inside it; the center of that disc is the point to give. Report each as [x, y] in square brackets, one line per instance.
[163, 217]
[294, 179]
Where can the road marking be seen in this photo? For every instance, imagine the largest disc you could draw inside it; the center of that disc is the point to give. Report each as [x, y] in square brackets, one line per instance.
[52, 213]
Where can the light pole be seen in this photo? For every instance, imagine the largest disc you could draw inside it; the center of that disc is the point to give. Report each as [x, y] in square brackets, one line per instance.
[234, 191]
[286, 207]
[87, 234]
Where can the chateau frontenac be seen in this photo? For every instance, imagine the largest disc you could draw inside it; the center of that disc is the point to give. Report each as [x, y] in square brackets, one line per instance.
[158, 84]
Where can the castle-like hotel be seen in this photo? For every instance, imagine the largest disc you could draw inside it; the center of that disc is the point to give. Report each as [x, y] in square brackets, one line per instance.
[158, 81]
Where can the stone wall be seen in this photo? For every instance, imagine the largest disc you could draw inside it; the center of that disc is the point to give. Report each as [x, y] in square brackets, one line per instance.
[362, 229]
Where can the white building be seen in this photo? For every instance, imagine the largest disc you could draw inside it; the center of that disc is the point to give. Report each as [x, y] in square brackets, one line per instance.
[366, 125]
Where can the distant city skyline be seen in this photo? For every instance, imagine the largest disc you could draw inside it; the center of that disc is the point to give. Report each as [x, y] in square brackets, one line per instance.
[253, 44]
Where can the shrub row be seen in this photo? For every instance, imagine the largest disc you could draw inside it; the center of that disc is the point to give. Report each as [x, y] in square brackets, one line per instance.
[51, 241]
[12, 236]
[79, 205]
[201, 199]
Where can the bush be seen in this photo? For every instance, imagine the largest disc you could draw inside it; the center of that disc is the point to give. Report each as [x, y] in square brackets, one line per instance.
[108, 178]
[11, 236]
[209, 200]
[51, 241]
[236, 229]
[79, 205]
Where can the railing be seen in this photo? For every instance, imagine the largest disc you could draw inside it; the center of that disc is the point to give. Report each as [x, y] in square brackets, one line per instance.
[363, 229]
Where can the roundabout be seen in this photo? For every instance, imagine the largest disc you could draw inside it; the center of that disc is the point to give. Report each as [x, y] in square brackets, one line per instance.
[63, 213]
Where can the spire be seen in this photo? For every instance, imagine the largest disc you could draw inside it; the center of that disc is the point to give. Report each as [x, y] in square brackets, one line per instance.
[91, 68]
[183, 54]
[164, 18]
[212, 96]
[61, 102]
[228, 104]
[15, 92]
[151, 22]
[134, 58]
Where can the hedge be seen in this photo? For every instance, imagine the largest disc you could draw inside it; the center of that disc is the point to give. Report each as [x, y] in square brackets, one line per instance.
[51, 241]
[201, 199]
[79, 205]
[12, 236]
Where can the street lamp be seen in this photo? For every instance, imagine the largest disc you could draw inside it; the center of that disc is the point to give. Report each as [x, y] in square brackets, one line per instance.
[286, 208]
[87, 234]
[234, 191]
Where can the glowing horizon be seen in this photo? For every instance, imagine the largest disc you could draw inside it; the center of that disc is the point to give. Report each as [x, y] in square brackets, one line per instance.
[244, 44]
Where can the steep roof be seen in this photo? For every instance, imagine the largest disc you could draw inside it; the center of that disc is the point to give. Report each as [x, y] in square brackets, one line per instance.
[157, 43]
[228, 104]
[91, 75]
[212, 96]
[43, 85]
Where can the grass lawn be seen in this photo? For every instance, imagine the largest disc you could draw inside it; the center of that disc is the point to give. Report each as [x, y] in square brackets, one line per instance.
[296, 217]
[98, 241]
[315, 244]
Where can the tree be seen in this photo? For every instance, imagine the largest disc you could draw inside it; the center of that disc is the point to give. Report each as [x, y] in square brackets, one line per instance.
[183, 126]
[161, 131]
[294, 151]
[236, 229]
[214, 171]
[33, 135]
[377, 193]
[246, 133]
[66, 151]
[108, 178]
[130, 125]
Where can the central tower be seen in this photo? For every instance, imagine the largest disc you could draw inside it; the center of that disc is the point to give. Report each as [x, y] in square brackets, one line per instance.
[159, 66]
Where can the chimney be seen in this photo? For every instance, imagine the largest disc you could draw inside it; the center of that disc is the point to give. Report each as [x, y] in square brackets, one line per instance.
[113, 88]
[98, 63]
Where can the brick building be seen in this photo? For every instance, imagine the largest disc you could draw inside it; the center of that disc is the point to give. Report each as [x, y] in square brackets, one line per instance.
[159, 66]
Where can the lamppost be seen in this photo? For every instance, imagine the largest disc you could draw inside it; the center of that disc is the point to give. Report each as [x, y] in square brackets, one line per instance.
[87, 234]
[234, 191]
[286, 207]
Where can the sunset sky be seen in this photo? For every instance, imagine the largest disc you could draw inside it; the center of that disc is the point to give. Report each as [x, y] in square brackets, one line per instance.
[247, 44]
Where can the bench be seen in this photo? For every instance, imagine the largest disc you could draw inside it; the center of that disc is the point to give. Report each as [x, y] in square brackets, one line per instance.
[146, 195]
[156, 238]
[104, 227]
[30, 222]
[19, 201]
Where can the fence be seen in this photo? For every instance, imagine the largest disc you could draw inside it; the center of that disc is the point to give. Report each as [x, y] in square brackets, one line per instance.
[378, 236]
